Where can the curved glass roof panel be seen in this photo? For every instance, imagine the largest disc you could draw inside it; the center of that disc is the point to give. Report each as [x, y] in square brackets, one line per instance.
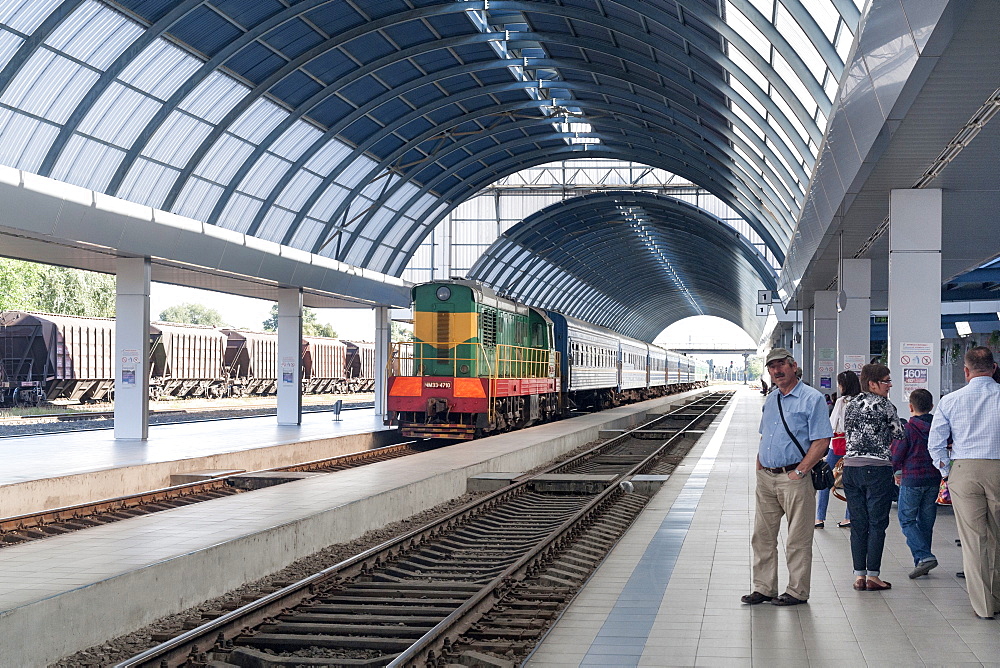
[349, 129]
[682, 261]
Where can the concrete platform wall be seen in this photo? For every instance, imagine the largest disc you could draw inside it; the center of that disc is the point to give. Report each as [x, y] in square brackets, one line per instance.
[34, 495]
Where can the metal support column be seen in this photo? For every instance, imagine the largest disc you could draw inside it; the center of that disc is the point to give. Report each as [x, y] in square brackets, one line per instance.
[914, 294]
[808, 338]
[132, 348]
[382, 331]
[854, 319]
[825, 341]
[289, 356]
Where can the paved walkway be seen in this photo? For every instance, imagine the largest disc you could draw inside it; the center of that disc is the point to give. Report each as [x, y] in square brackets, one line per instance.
[669, 593]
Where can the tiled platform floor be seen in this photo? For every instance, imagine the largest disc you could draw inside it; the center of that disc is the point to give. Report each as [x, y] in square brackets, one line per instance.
[53, 455]
[669, 593]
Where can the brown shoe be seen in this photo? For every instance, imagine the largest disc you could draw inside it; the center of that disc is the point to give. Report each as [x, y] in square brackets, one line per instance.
[860, 584]
[871, 585]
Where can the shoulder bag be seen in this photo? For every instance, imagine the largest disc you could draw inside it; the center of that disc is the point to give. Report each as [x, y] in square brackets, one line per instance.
[822, 475]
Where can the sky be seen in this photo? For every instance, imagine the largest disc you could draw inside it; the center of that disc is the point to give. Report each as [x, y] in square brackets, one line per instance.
[355, 324]
[703, 331]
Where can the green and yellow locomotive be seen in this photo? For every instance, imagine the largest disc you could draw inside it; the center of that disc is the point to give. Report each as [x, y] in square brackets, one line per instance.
[479, 364]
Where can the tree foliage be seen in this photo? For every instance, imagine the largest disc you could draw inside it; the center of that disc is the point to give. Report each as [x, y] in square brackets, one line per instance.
[311, 326]
[192, 314]
[28, 286]
[399, 333]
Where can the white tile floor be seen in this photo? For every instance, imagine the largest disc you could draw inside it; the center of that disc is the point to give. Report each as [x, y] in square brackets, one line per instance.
[637, 610]
[49, 456]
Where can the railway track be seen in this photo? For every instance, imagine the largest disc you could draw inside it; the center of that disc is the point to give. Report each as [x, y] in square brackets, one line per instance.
[478, 586]
[53, 522]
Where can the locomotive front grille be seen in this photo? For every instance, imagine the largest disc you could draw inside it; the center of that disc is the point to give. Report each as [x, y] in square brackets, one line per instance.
[443, 334]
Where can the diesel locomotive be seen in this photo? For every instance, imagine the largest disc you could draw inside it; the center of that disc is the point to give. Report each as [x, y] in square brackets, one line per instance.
[481, 364]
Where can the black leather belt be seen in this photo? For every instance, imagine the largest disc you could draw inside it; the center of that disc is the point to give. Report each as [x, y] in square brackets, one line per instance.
[781, 469]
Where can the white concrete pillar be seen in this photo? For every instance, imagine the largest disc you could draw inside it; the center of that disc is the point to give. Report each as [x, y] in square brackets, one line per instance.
[132, 348]
[914, 294]
[854, 319]
[825, 341]
[382, 337]
[289, 356]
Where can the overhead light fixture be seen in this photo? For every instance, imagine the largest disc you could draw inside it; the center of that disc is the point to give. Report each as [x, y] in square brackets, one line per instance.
[963, 328]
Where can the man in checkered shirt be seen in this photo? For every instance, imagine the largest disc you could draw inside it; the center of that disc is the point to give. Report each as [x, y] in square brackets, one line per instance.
[971, 417]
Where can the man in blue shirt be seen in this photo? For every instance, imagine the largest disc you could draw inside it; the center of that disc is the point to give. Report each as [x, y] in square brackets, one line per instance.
[971, 417]
[784, 486]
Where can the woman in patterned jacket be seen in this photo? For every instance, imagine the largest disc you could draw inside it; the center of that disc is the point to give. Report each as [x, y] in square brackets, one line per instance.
[871, 423]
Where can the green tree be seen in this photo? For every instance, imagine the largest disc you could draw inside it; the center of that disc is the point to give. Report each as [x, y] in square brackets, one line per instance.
[311, 326]
[192, 314]
[399, 333]
[40, 287]
[755, 366]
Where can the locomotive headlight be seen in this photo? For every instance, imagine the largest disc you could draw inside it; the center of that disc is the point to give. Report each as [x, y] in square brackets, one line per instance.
[464, 368]
[444, 293]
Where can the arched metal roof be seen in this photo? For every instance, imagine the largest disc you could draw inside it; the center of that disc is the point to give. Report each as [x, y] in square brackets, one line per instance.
[349, 128]
[632, 262]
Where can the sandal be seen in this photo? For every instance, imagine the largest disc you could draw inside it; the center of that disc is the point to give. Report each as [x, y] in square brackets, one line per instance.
[860, 584]
[818, 525]
[846, 524]
[871, 585]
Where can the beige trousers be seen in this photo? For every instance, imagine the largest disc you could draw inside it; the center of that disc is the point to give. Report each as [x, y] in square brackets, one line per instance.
[975, 496]
[778, 496]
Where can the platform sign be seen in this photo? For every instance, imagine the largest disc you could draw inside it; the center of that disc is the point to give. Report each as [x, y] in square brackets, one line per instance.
[826, 371]
[914, 379]
[854, 363]
[916, 354]
[288, 371]
[765, 297]
[762, 309]
[130, 361]
[828, 355]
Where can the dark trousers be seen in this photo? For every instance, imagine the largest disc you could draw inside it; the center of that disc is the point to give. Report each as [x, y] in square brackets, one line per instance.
[869, 491]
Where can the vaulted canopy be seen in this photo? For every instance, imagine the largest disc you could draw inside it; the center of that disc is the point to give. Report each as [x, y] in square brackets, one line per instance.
[632, 262]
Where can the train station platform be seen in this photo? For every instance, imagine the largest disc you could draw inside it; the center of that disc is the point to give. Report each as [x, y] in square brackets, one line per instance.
[57, 470]
[669, 593]
[96, 584]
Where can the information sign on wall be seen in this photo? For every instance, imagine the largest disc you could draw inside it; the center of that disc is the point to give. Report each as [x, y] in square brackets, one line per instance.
[916, 354]
[287, 370]
[130, 361]
[854, 363]
[914, 379]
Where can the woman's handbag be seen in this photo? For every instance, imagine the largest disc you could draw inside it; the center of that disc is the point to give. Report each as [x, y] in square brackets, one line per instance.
[838, 480]
[944, 496]
[839, 443]
[822, 474]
